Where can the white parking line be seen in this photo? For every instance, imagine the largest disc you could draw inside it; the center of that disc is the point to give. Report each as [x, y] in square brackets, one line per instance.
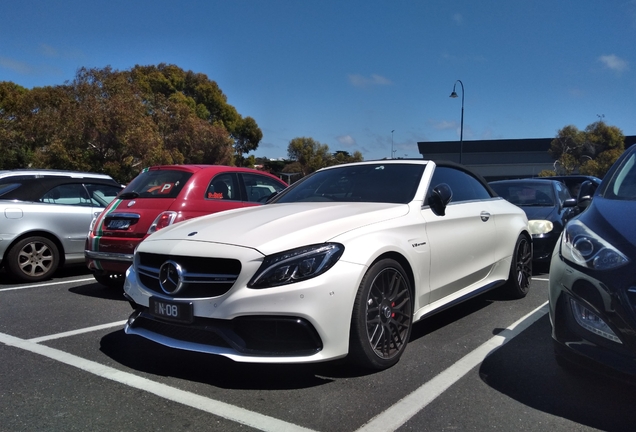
[394, 417]
[76, 332]
[387, 421]
[21, 287]
[220, 409]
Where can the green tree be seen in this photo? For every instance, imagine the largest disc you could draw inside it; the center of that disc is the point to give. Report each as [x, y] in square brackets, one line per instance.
[14, 151]
[340, 157]
[591, 152]
[309, 153]
[204, 98]
[118, 122]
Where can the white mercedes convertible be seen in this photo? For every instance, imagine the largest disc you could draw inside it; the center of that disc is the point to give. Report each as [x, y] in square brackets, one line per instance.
[342, 263]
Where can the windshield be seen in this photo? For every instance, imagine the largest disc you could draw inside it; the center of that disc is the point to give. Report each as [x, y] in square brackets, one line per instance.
[156, 184]
[387, 183]
[526, 194]
[622, 186]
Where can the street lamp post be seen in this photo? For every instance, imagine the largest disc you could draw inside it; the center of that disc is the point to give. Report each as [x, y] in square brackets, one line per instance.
[392, 144]
[461, 127]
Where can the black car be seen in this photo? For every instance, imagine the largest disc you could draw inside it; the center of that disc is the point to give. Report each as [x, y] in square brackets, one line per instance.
[593, 278]
[547, 204]
[574, 182]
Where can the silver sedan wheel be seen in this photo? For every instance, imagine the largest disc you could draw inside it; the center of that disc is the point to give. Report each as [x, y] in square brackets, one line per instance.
[33, 259]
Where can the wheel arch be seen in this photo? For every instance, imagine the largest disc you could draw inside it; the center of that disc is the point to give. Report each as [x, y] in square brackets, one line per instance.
[406, 266]
[38, 233]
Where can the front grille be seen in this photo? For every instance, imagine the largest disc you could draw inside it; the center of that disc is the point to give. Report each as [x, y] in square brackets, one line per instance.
[257, 335]
[202, 277]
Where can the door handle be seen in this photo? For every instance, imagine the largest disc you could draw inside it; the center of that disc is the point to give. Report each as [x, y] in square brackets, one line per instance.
[484, 216]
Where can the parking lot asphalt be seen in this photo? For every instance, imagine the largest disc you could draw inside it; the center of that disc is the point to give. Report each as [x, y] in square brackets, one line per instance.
[484, 365]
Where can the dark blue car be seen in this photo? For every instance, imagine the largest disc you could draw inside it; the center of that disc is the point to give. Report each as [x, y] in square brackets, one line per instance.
[593, 278]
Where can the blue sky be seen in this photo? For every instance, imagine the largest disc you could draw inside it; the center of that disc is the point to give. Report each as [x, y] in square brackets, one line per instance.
[347, 73]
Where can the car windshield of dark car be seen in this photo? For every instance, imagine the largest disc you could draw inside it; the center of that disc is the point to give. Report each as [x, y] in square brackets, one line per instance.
[622, 186]
[387, 183]
[526, 194]
[156, 184]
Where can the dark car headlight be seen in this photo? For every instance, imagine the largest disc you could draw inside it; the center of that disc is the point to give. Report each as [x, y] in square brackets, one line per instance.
[538, 227]
[584, 247]
[296, 265]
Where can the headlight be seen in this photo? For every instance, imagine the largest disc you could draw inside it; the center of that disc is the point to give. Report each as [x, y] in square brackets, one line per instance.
[538, 226]
[592, 322]
[296, 265]
[584, 247]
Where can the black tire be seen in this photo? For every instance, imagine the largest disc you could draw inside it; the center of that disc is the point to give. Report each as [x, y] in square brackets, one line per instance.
[110, 280]
[518, 283]
[33, 259]
[382, 317]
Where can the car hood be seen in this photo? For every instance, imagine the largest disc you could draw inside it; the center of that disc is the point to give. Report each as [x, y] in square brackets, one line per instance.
[608, 219]
[538, 212]
[277, 227]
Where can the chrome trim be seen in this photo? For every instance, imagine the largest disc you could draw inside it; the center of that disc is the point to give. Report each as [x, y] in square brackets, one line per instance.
[191, 278]
[109, 256]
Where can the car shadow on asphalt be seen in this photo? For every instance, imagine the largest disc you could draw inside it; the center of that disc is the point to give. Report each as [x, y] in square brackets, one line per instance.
[455, 313]
[144, 356]
[97, 290]
[525, 370]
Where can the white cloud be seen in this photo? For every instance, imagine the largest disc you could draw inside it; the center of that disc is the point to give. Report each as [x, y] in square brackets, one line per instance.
[15, 66]
[458, 18]
[361, 81]
[48, 50]
[346, 140]
[443, 125]
[614, 63]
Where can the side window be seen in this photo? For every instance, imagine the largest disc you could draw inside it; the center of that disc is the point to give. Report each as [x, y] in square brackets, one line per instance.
[464, 186]
[562, 192]
[223, 187]
[69, 194]
[260, 187]
[102, 195]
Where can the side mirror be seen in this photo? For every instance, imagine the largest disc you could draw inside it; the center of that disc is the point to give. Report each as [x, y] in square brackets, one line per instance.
[570, 202]
[586, 192]
[441, 195]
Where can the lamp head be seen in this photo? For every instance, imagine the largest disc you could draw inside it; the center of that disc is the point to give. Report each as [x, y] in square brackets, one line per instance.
[453, 94]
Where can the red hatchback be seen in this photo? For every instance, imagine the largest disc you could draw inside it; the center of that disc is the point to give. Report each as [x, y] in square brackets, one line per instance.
[164, 195]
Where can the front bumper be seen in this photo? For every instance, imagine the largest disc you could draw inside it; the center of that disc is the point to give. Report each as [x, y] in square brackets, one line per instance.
[304, 322]
[543, 246]
[594, 350]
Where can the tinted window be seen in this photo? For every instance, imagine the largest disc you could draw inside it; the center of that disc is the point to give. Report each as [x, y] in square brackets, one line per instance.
[389, 183]
[563, 192]
[102, 195]
[223, 187]
[67, 194]
[158, 183]
[6, 188]
[526, 194]
[260, 187]
[464, 186]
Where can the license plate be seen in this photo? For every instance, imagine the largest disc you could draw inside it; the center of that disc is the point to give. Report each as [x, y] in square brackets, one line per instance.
[171, 310]
[118, 224]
